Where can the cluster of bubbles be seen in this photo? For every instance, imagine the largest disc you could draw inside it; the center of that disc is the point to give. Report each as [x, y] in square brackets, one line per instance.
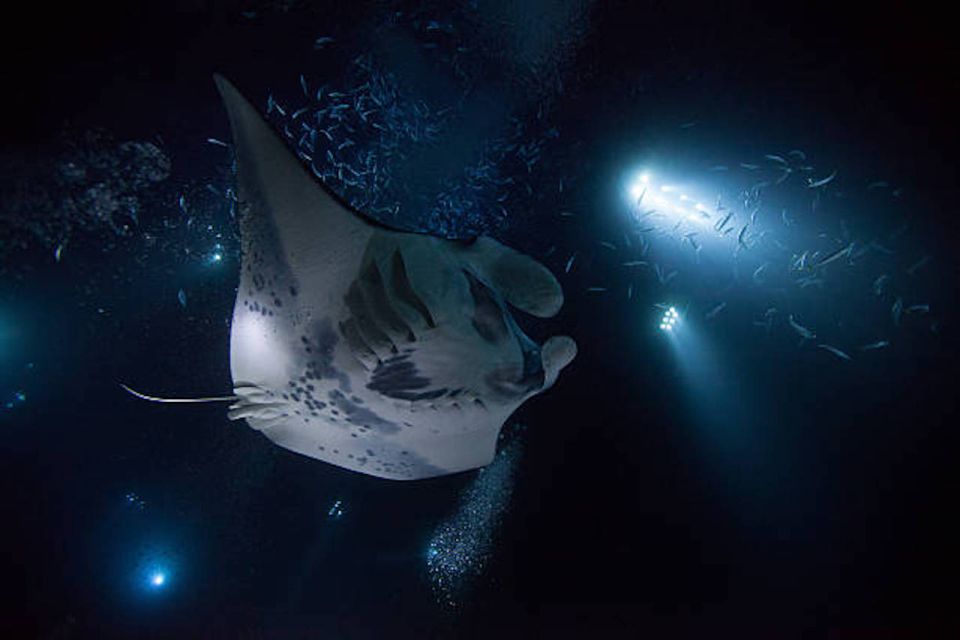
[15, 399]
[462, 545]
[336, 510]
[134, 501]
[91, 183]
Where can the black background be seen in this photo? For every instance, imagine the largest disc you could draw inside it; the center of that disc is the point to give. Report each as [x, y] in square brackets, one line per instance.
[837, 524]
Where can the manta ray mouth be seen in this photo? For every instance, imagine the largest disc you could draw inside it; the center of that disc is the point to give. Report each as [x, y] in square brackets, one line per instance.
[257, 405]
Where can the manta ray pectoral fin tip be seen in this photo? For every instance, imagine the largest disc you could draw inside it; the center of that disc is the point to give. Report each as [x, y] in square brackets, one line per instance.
[222, 83]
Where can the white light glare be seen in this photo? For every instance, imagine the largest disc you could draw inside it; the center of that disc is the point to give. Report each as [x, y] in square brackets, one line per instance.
[158, 579]
[670, 318]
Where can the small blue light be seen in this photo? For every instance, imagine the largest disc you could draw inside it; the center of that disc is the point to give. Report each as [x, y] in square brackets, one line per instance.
[158, 579]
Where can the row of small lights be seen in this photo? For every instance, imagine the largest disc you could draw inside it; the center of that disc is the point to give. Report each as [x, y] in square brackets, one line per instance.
[643, 186]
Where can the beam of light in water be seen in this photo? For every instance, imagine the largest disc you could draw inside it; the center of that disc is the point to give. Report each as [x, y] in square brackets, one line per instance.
[461, 546]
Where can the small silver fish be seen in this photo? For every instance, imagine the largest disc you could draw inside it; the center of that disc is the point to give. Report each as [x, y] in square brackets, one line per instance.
[596, 289]
[609, 245]
[837, 352]
[634, 263]
[722, 223]
[569, 263]
[219, 143]
[759, 272]
[813, 184]
[182, 297]
[804, 333]
[880, 284]
[919, 264]
[710, 315]
[879, 344]
[897, 310]
[833, 257]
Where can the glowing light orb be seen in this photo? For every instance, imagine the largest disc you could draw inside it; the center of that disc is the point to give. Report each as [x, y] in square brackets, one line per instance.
[158, 579]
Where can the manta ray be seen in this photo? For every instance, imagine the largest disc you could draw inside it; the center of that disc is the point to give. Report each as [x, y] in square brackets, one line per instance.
[389, 353]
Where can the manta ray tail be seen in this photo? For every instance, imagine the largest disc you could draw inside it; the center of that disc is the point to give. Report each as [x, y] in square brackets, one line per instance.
[144, 396]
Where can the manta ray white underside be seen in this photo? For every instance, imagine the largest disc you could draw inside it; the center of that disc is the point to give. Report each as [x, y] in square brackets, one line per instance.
[388, 353]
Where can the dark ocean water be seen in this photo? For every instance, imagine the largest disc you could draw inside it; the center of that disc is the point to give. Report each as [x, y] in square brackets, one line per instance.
[726, 479]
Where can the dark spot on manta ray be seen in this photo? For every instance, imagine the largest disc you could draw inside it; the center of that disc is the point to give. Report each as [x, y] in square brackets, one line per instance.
[324, 342]
[357, 413]
[293, 291]
[396, 378]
